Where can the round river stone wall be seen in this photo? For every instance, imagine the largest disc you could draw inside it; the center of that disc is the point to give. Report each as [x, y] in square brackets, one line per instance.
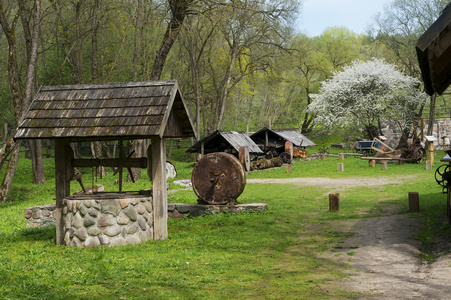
[108, 222]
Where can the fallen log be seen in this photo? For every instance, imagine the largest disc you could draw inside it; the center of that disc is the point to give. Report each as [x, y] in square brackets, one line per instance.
[266, 163]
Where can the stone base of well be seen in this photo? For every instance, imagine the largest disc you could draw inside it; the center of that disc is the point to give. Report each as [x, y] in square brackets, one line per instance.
[40, 216]
[119, 219]
[180, 210]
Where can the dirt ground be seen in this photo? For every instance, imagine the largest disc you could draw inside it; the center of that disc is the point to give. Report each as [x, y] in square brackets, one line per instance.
[383, 253]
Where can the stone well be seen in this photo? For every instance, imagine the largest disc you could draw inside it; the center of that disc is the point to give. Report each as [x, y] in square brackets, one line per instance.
[108, 220]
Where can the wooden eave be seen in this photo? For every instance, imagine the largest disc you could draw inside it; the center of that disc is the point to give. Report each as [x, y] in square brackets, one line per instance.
[434, 54]
[107, 111]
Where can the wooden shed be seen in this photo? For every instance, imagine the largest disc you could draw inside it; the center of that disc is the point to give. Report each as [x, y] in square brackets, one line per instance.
[275, 139]
[434, 54]
[117, 111]
[225, 141]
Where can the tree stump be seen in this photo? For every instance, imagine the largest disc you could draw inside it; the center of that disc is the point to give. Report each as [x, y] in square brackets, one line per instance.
[414, 202]
[384, 165]
[341, 156]
[340, 167]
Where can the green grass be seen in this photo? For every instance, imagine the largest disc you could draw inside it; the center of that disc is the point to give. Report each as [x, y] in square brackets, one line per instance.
[279, 254]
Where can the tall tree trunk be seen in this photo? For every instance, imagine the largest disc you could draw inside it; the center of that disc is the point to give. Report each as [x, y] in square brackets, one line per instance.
[137, 145]
[35, 146]
[96, 150]
[20, 102]
[225, 87]
[7, 182]
[95, 26]
[179, 9]
[37, 161]
[137, 46]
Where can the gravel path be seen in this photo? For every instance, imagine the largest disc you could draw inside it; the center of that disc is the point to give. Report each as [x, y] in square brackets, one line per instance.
[384, 253]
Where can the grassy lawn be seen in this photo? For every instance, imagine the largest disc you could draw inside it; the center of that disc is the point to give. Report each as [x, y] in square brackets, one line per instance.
[273, 255]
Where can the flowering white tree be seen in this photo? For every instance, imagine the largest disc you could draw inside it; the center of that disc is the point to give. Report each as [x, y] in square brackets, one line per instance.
[366, 93]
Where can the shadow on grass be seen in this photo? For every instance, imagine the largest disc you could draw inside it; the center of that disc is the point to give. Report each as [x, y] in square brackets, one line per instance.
[37, 234]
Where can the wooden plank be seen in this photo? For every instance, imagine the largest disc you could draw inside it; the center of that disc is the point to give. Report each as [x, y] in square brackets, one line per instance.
[379, 158]
[93, 122]
[87, 133]
[140, 162]
[98, 103]
[160, 201]
[100, 112]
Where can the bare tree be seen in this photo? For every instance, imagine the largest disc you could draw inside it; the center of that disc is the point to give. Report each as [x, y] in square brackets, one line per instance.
[20, 98]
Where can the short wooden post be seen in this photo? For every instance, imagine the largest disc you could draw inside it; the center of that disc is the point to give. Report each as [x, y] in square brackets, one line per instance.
[340, 167]
[289, 169]
[431, 152]
[384, 165]
[430, 142]
[341, 156]
[372, 163]
[322, 156]
[414, 202]
[334, 202]
[428, 165]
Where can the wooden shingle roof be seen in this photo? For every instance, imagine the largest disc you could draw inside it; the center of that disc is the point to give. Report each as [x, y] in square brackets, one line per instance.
[107, 111]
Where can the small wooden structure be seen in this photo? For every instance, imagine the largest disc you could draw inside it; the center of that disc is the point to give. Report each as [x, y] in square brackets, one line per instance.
[225, 141]
[118, 111]
[275, 140]
[434, 54]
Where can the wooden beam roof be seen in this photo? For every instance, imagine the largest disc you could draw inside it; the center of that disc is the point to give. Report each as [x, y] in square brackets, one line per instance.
[434, 54]
[107, 111]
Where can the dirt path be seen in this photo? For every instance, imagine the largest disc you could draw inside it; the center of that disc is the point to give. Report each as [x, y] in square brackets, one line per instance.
[383, 254]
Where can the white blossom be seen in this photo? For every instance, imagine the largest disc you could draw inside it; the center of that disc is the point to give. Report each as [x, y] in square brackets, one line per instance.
[366, 92]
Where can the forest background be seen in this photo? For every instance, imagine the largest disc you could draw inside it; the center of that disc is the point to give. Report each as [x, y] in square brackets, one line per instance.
[240, 63]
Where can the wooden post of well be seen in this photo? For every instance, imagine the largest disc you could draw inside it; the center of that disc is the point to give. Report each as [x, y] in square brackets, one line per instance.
[414, 202]
[334, 202]
[160, 199]
[63, 168]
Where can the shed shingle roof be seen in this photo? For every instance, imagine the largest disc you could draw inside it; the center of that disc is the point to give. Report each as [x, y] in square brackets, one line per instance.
[131, 110]
[214, 142]
[279, 136]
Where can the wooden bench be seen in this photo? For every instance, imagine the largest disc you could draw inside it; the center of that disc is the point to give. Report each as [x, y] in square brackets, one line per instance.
[372, 160]
[349, 154]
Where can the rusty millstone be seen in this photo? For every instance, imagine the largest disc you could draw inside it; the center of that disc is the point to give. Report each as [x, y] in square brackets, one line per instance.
[218, 178]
